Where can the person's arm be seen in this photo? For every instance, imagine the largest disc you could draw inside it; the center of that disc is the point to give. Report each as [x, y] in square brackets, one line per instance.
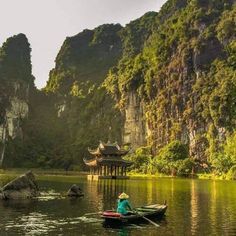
[129, 206]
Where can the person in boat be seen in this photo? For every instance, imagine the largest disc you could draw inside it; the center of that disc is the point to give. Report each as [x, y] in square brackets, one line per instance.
[123, 206]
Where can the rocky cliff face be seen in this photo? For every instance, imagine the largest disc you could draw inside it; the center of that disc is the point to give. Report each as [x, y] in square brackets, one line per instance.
[87, 112]
[135, 130]
[15, 112]
[123, 88]
[78, 79]
[85, 58]
[163, 72]
[16, 80]
[177, 84]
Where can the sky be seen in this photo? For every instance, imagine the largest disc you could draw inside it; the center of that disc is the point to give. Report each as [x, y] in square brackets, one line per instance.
[47, 23]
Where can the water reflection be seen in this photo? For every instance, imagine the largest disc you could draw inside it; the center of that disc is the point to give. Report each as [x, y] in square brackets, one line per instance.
[194, 208]
[123, 232]
[109, 190]
[212, 210]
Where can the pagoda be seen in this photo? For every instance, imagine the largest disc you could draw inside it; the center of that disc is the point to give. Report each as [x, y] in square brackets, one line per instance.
[107, 162]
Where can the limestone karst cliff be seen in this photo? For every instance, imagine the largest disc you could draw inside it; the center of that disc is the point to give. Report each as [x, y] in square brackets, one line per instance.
[183, 77]
[164, 77]
[16, 81]
[88, 112]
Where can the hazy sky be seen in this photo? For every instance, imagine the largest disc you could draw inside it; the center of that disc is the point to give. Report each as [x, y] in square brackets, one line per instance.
[47, 23]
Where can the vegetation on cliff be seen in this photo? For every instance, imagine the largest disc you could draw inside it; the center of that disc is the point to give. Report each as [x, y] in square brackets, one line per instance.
[79, 112]
[185, 74]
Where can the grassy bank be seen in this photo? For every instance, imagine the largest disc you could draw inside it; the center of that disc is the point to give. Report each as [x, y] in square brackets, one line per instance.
[197, 176]
[9, 174]
[41, 173]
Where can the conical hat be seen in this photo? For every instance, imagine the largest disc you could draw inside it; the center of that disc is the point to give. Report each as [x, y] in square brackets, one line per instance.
[123, 196]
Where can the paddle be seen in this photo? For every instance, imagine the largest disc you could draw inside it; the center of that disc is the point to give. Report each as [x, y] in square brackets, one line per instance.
[145, 218]
[93, 213]
[150, 221]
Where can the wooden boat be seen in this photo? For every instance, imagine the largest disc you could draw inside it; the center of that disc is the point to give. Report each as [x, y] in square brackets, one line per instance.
[150, 211]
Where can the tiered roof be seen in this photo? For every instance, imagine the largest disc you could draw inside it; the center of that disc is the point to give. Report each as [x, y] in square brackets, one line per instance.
[107, 154]
[105, 149]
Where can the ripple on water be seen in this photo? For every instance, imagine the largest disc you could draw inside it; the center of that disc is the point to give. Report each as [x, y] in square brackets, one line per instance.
[85, 219]
[50, 195]
[36, 223]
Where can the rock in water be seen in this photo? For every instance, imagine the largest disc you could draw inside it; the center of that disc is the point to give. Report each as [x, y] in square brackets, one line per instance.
[23, 187]
[75, 191]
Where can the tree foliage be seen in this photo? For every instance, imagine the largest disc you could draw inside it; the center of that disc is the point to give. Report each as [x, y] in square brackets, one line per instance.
[173, 159]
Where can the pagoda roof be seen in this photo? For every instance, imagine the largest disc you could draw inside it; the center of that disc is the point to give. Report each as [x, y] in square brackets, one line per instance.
[108, 149]
[106, 161]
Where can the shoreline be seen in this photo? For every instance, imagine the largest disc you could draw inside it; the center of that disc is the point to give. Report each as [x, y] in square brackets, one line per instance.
[201, 176]
[60, 172]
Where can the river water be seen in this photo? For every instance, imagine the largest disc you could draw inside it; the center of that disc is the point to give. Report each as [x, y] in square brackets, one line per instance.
[195, 207]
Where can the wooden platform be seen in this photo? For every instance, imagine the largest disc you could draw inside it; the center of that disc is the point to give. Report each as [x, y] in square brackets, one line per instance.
[97, 177]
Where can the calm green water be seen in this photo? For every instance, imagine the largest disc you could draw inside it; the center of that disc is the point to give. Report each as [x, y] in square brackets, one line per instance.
[196, 207]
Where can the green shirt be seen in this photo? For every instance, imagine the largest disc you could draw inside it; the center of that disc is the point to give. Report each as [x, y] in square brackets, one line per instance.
[123, 206]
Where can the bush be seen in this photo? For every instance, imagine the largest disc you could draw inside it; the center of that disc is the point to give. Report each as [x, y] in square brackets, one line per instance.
[230, 147]
[173, 159]
[174, 151]
[141, 159]
[185, 167]
[222, 163]
[232, 173]
[181, 167]
[161, 166]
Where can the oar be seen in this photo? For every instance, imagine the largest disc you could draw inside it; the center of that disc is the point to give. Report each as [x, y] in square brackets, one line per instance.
[145, 218]
[93, 213]
[150, 221]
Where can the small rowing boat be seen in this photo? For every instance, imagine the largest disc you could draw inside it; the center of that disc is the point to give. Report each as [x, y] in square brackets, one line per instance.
[139, 214]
